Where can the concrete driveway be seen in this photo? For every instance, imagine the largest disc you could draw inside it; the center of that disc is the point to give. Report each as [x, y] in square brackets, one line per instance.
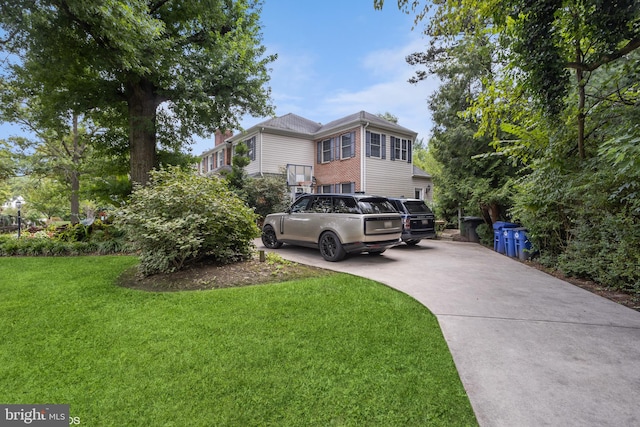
[531, 350]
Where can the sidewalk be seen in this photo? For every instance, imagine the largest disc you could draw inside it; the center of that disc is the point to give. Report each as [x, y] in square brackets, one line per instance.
[531, 350]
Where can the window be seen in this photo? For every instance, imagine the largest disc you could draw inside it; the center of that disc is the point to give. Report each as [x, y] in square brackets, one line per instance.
[400, 149]
[299, 173]
[376, 145]
[324, 189]
[346, 187]
[321, 204]
[325, 154]
[251, 148]
[220, 158]
[302, 205]
[345, 205]
[417, 193]
[347, 145]
[211, 164]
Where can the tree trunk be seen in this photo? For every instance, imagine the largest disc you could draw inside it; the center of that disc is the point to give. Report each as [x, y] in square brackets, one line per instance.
[142, 103]
[581, 103]
[75, 202]
[74, 175]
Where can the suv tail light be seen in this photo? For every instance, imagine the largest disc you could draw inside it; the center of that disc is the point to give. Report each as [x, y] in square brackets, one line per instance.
[407, 223]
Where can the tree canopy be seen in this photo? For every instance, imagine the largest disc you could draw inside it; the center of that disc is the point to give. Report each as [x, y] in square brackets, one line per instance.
[557, 90]
[162, 70]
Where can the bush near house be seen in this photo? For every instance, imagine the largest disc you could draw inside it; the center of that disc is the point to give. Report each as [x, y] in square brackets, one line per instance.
[180, 218]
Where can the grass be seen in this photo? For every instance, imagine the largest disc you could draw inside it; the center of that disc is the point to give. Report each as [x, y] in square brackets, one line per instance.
[331, 351]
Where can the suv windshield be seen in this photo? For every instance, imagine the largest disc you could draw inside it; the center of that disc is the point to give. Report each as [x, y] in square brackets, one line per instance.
[416, 207]
[375, 206]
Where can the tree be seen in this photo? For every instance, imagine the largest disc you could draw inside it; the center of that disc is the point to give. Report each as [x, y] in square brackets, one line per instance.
[61, 157]
[166, 67]
[543, 43]
[45, 198]
[237, 176]
[388, 117]
[7, 170]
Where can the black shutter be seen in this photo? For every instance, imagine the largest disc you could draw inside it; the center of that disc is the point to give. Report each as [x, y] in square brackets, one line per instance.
[319, 160]
[409, 150]
[383, 146]
[394, 142]
[368, 144]
[353, 144]
[253, 148]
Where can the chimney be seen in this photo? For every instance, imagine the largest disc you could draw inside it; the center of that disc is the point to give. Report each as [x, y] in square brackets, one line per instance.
[221, 137]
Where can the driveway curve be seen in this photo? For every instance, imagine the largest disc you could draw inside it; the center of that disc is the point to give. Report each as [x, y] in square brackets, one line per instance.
[530, 349]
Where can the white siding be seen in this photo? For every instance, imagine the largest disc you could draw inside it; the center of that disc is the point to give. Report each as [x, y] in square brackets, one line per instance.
[274, 152]
[388, 178]
[423, 183]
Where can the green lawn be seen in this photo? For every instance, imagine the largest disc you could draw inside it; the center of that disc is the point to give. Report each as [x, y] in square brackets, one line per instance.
[331, 351]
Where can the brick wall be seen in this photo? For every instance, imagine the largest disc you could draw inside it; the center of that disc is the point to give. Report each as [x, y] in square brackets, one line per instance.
[341, 171]
[221, 137]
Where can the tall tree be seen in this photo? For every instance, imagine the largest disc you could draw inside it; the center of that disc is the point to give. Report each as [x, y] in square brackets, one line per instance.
[7, 170]
[155, 67]
[551, 47]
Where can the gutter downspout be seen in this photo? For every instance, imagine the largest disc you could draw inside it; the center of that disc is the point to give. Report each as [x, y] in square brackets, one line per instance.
[363, 155]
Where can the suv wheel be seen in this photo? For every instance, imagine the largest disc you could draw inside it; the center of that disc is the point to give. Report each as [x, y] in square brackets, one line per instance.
[330, 247]
[269, 238]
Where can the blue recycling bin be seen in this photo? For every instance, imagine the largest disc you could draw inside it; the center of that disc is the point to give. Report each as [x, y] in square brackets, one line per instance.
[509, 242]
[522, 243]
[498, 235]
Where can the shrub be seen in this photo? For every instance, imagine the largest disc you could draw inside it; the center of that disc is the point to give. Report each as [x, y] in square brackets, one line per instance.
[267, 195]
[180, 218]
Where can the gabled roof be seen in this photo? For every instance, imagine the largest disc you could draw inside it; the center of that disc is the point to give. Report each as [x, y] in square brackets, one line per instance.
[292, 124]
[362, 118]
[419, 173]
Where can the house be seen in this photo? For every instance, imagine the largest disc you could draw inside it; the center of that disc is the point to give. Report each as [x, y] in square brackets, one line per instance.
[357, 153]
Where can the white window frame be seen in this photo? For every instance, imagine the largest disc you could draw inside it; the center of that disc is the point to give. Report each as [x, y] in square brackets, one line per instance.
[221, 158]
[326, 150]
[346, 138]
[378, 145]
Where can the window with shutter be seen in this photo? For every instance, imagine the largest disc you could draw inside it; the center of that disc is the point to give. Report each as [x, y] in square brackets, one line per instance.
[347, 145]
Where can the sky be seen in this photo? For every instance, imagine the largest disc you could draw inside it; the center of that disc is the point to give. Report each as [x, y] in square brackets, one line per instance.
[336, 58]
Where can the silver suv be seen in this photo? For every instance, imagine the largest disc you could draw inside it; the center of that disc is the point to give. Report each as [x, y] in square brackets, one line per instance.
[336, 224]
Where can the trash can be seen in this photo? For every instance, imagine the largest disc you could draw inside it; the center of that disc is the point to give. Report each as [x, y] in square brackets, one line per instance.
[509, 242]
[498, 237]
[522, 243]
[469, 225]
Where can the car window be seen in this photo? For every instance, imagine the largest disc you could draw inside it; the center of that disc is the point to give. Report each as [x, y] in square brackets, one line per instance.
[321, 204]
[376, 205]
[397, 205]
[417, 207]
[345, 205]
[301, 205]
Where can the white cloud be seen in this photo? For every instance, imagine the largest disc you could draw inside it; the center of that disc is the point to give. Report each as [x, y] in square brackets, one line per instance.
[302, 85]
[392, 92]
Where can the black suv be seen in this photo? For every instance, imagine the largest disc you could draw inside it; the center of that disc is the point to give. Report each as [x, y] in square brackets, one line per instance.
[418, 222]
